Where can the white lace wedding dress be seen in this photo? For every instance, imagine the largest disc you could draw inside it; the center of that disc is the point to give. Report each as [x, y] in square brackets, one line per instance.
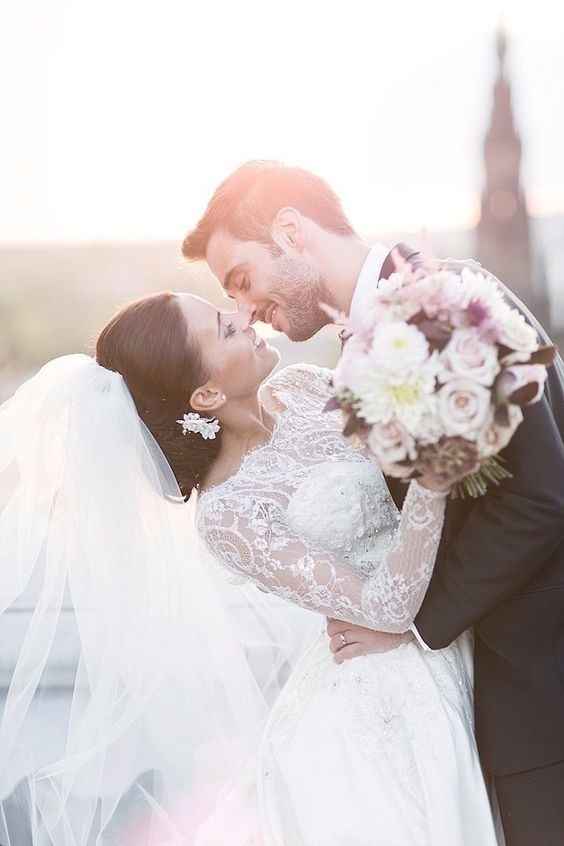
[379, 751]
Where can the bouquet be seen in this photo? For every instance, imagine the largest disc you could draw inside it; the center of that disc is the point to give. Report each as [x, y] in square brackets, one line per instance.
[435, 376]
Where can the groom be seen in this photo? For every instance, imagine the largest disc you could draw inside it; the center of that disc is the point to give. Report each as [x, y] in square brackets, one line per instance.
[279, 242]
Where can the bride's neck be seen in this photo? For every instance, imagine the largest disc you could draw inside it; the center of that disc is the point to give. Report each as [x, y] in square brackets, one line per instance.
[245, 423]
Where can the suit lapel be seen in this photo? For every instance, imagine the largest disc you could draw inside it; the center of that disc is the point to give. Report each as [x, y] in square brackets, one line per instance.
[407, 253]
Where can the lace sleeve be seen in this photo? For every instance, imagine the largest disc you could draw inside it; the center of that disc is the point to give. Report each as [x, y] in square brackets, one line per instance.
[251, 537]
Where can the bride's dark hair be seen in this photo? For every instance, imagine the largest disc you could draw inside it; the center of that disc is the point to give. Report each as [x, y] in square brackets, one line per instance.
[149, 344]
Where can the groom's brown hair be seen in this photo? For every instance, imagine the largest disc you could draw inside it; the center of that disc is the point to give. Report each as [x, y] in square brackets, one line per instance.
[246, 203]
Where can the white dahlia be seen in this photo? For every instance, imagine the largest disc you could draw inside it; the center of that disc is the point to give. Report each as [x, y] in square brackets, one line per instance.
[407, 397]
[398, 347]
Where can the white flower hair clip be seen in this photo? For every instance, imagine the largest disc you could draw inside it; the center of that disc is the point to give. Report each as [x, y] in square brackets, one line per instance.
[207, 427]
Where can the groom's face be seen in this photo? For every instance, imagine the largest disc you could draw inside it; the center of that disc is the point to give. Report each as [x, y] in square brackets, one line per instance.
[278, 287]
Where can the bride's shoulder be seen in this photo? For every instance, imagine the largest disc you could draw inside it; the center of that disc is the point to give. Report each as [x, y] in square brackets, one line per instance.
[297, 377]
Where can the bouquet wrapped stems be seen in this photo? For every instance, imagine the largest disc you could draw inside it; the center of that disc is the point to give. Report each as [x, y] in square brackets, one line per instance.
[476, 484]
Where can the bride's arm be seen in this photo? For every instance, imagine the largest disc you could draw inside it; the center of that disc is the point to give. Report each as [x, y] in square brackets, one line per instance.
[392, 596]
[253, 539]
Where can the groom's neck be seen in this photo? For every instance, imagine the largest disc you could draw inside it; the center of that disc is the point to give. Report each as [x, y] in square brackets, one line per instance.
[341, 260]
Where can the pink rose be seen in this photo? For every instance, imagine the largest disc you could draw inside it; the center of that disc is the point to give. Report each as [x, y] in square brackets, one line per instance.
[493, 437]
[468, 357]
[434, 294]
[391, 443]
[463, 407]
[522, 384]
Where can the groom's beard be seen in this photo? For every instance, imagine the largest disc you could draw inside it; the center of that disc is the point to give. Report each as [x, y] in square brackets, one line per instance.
[300, 289]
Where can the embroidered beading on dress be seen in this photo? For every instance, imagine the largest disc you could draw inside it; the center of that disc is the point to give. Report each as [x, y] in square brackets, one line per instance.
[309, 517]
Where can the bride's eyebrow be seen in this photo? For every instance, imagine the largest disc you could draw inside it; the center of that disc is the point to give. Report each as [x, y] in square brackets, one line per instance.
[218, 324]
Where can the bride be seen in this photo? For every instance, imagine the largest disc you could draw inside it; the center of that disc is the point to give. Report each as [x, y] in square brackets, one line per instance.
[182, 725]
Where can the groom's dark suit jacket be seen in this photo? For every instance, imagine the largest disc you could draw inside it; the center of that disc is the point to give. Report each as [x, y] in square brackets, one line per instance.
[500, 570]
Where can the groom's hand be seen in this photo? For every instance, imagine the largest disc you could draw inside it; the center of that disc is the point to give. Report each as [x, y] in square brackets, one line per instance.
[348, 641]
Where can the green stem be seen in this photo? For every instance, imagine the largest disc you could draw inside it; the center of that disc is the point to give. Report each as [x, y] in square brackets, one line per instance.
[492, 471]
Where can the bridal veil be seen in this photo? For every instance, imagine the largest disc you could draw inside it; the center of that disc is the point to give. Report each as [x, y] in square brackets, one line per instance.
[137, 679]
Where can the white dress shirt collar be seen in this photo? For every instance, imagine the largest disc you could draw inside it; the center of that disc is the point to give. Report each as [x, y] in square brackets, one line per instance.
[368, 278]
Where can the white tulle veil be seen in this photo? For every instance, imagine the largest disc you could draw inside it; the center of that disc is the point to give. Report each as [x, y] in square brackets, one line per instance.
[136, 679]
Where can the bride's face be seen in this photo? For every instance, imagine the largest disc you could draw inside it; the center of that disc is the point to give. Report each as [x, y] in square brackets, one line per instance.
[235, 358]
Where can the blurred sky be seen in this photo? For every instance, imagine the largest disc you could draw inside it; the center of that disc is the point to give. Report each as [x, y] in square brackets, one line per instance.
[121, 116]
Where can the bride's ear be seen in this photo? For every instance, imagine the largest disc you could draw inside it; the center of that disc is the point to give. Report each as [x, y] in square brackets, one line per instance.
[207, 399]
[287, 230]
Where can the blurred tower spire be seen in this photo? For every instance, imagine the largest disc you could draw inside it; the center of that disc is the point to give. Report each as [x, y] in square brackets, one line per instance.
[503, 235]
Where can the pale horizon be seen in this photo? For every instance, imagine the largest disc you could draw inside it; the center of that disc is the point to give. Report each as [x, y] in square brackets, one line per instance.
[124, 117]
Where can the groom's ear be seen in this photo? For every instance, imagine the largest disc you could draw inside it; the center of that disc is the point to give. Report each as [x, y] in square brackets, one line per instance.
[207, 399]
[287, 230]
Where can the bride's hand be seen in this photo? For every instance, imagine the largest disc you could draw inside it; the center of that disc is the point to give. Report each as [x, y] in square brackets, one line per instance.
[348, 641]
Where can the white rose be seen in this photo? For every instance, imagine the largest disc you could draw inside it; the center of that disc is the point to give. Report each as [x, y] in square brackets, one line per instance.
[463, 407]
[467, 356]
[514, 332]
[493, 437]
[391, 443]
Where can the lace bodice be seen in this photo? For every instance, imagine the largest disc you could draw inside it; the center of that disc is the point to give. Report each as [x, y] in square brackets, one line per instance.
[309, 517]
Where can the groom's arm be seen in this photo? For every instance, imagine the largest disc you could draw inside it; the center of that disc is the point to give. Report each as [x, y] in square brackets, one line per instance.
[509, 536]
[507, 539]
